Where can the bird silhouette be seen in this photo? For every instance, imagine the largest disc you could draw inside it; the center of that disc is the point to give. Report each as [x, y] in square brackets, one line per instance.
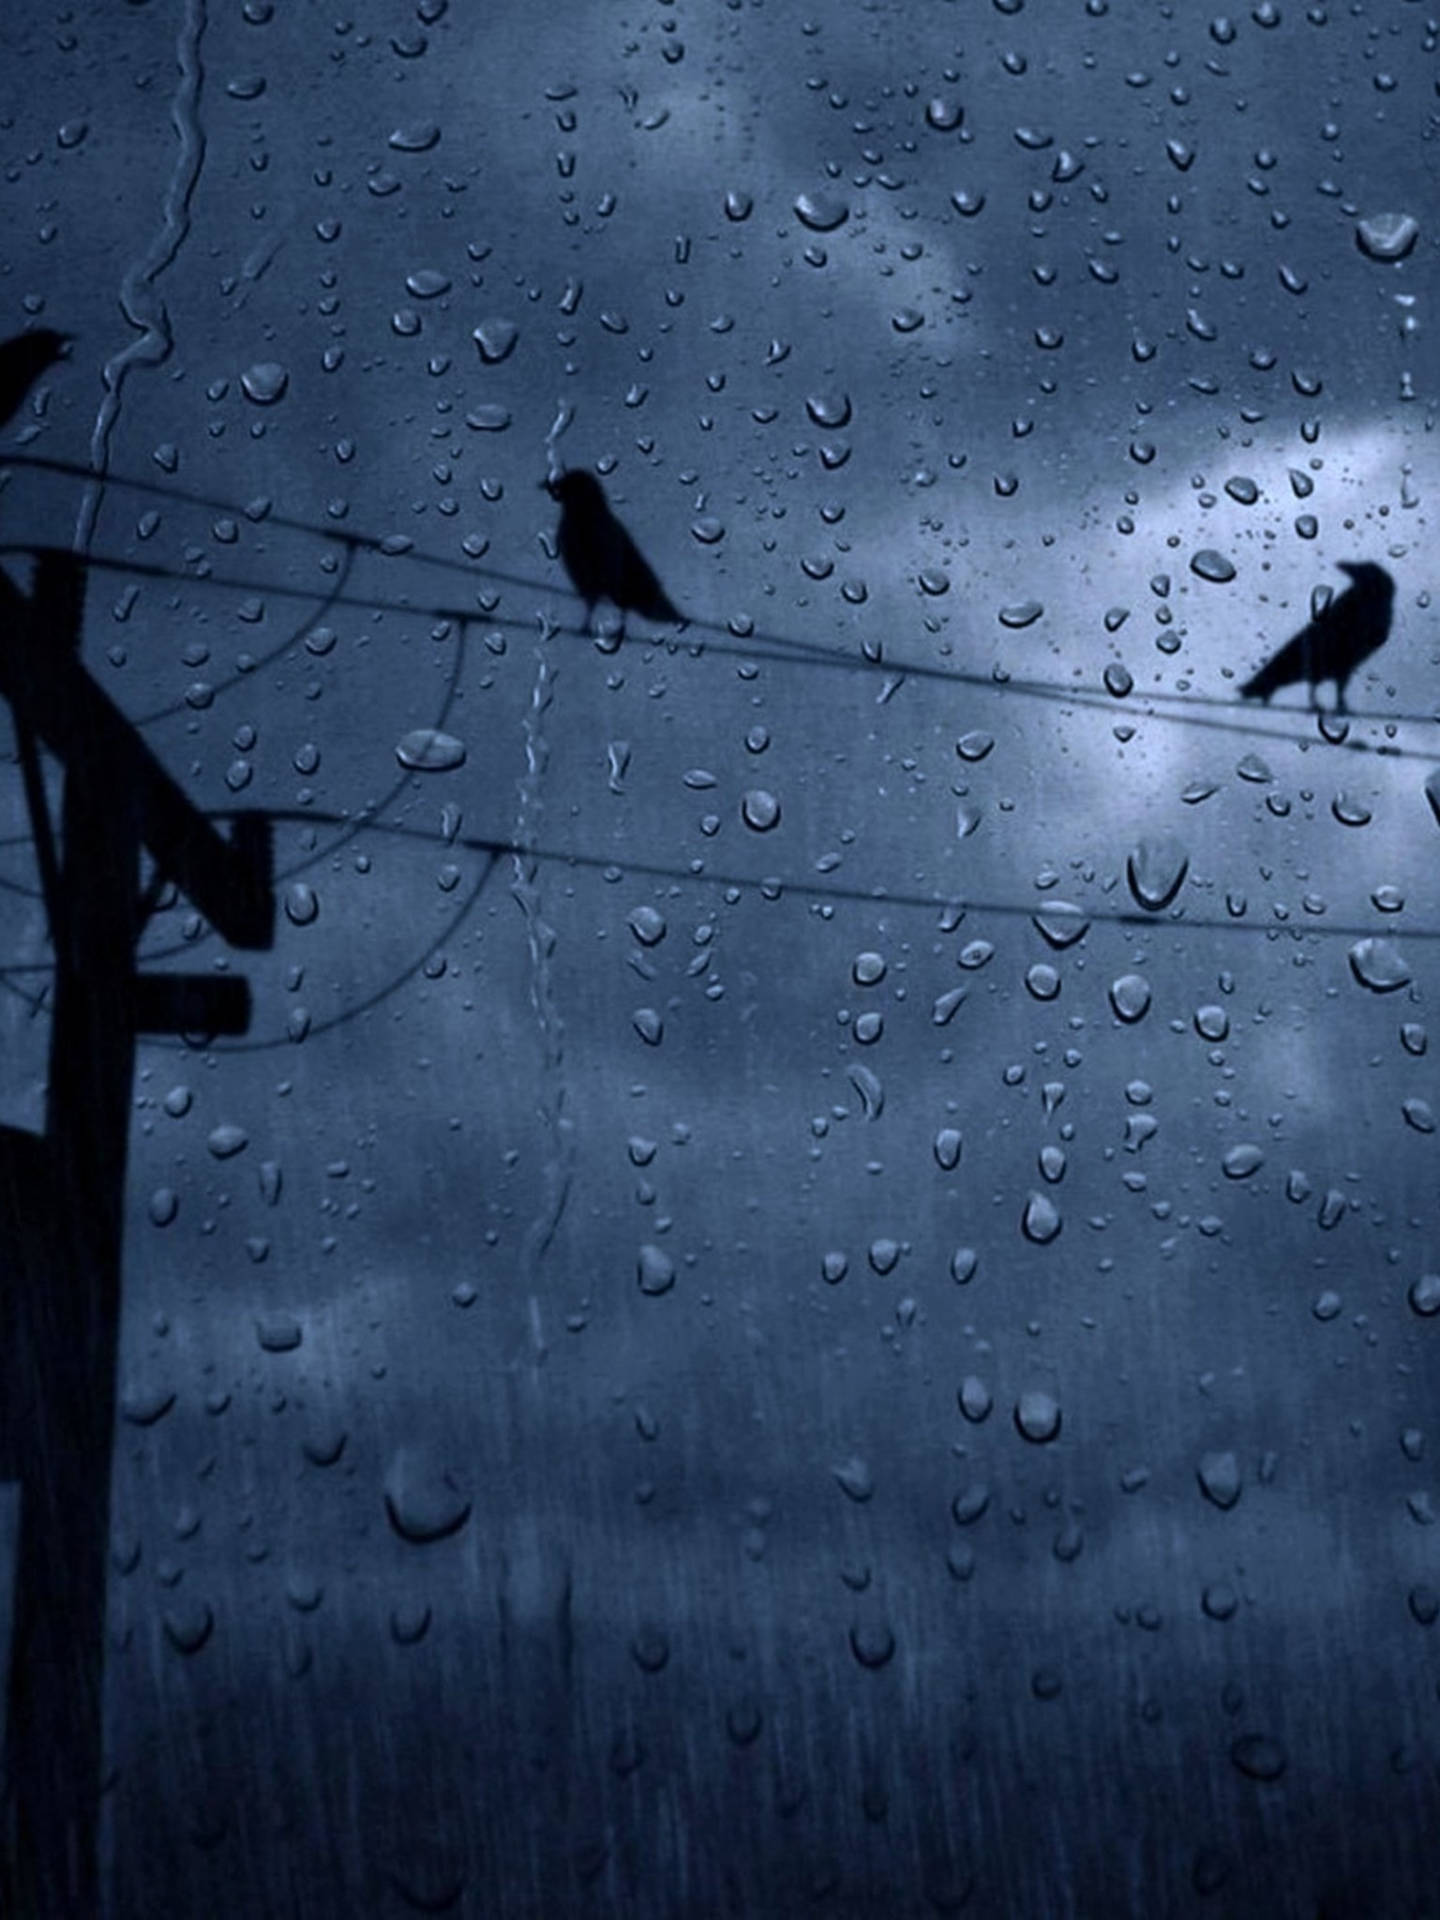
[602, 560]
[22, 361]
[1332, 645]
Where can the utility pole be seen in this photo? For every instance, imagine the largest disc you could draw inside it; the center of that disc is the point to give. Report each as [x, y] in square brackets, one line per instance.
[62, 1200]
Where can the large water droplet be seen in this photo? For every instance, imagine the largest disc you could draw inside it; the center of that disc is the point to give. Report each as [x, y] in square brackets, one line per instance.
[1130, 997]
[1258, 1756]
[1242, 1160]
[654, 1269]
[1219, 1477]
[496, 339]
[422, 1500]
[427, 750]
[1387, 236]
[975, 1399]
[1037, 1415]
[1041, 1220]
[947, 1148]
[265, 382]
[1156, 871]
[1376, 964]
[854, 1479]
[1061, 923]
[821, 211]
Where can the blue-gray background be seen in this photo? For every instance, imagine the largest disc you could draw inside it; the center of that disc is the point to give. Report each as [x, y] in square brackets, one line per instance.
[885, 325]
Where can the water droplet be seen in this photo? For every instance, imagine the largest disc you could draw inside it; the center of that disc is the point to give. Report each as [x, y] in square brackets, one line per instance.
[960, 1560]
[1418, 1115]
[944, 114]
[1037, 1415]
[427, 750]
[1212, 1023]
[495, 339]
[1242, 1160]
[1023, 613]
[739, 205]
[163, 1206]
[1326, 1304]
[969, 1504]
[872, 1643]
[654, 1269]
[265, 382]
[1387, 236]
[1060, 923]
[649, 1025]
[1043, 981]
[1207, 564]
[1377, 964]
[760, 810]
[489, 418]
[422, 1499]
[1156, 871]
[1219, 1600]
[1259, 1757]
[409, 1622]
[1219, 1477]
[975, 745]
[870, 1089]
[418, 137]
[867, 969]
[975, 1398]
[854, 1479]
[830, 410]
[822, 212]
[1130, 996]
[1041, 1220]
[1349, 811]
[947, 1148]
[226, 1141]
[142, 1406]
[883, 1254]
[648, 925]
[1424, 1295]
[967, 200]
[963, 1263]
[301, 904]
[278, 1332]
[650, 1649]
[188, 1625]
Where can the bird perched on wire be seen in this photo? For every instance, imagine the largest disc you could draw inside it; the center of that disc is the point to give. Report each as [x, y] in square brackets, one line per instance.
[602, 560]
[22, 361]
[1332, 645]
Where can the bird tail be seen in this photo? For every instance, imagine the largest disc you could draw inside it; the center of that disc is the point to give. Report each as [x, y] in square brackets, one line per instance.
[1261, 685]
[659, 606]
[1280, 670]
